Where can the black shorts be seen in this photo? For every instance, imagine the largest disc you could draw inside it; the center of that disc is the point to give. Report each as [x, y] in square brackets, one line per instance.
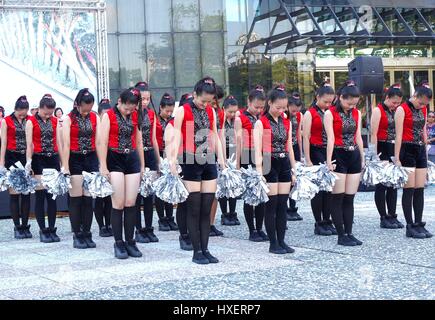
[79, 162]
[150, 160]
[247, 158]
[347, 162]
[317, 155]
[280, 170]
[386, 150]
[297, 152]
[12, 157]
[203, 171]
[40, 162]
[127, 163]
[413, 156]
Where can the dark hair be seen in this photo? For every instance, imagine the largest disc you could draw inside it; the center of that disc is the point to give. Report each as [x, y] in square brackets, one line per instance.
[220, 94]
[423, 89]
[348, 90]
[167, 100]
[325, 89]
[132, 96]
[2, 110]
[230, 101]
[393, 91]
[55, 110]
[142, 86]
[257, 94]
[104, 105]
[295, 99]
[205, 85]
[47, 101]
[21, 103]
[84, 96]
[276, 93]
[186, 98]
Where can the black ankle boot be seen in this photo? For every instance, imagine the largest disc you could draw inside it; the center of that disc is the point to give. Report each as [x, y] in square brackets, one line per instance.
[351, 237]
[226, 220]
[199, 258]
[44, 236]
[132, 249]
[27, 232]
[185, 243]
[413, 231]
[234, 218]
[214, 232]
[276, 249]
[88, 239]
[141, 237]
[344, 240]
[19, 233]
[172, 224]
[79, 241]
[422, 229]
[164, 225]
[104, 232]
[321, 229]
[286, 247]
[254, 236]
[330, 226]
[120, 250]
[150, 234]
[53, 235]
[396, 221]
[263, 235]
[209, 257]
[388, 223]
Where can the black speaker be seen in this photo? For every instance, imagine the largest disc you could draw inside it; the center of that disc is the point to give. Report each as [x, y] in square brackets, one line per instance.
[368, 74]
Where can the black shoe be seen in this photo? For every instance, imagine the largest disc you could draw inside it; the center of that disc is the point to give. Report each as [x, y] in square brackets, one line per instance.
[199, 258]
[226, 220]
[254, 236]
[330, 226]
[351, 237]
[149, 232]
[132, 249]
[422, 229]
[19, 233]
[172, 224]
[27, 232]
[344, 240]
[235, 219]
[277, 249]
[293, 216]
[44, 236]
[396, 222]
[104, 232]
[79, 241]
[88, 239]
[209, 257]
[388, 223]
[263, 235]
[413, 231]
[53, 235]
[215, 232]
[321, 229]
[163, 225]
[185, 243]
[140, 236]
[120, 250]
[110, 231]
[286, 247]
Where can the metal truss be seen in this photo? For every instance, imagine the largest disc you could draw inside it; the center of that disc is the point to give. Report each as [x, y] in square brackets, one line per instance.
[343, 22]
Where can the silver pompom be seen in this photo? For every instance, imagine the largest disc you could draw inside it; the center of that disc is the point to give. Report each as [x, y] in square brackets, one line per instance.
[3, 179]
[146, 184]
[395, 176]
[168, 187]
[20, 180]
[230, 183]
[97, 185]
[325, 179]
[304, 188]
[373, 172]
[430, 172]
[55, 182]
[256, 187]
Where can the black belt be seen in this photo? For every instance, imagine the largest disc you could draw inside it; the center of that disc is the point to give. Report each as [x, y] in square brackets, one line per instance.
[15, 151]
[47, 154]
[278, 155]
[202, 154]
[148, 148]
[346, 148]
[318, 146]
[83, 152]
[386, 141]
[419, 143]
[122, 151]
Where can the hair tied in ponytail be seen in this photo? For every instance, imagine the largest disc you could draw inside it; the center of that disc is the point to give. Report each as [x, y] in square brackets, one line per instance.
[259, 88]
[396, 86]
[135, 92]
[425, 84]
[327, 83]
[23, 99]
[209, 81]
[350, 83]
[47, 96]
[280, 88]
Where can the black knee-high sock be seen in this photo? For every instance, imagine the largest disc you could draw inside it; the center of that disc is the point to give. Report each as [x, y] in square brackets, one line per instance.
[138, 212]
[75, 208]
[380, 199]
[407, 196]
[336, 205]
[39, 208]
[281, 217]
[326, 210]
[232, 204]
[418, 204]
[249, 216]
[25, 209]
[160, 207]
[87, 214]
[259, 216]
[193, 211]
[107, 209]
[181, 218]
[169, 209]
[270, 218]
[204, 224]
[14, 205]
[391, 200]
[129, 222]
[116, 218]
[99, 211]
[223, 204]
[317, 206]
[51, 210]
[348, 212]
[148, 211]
